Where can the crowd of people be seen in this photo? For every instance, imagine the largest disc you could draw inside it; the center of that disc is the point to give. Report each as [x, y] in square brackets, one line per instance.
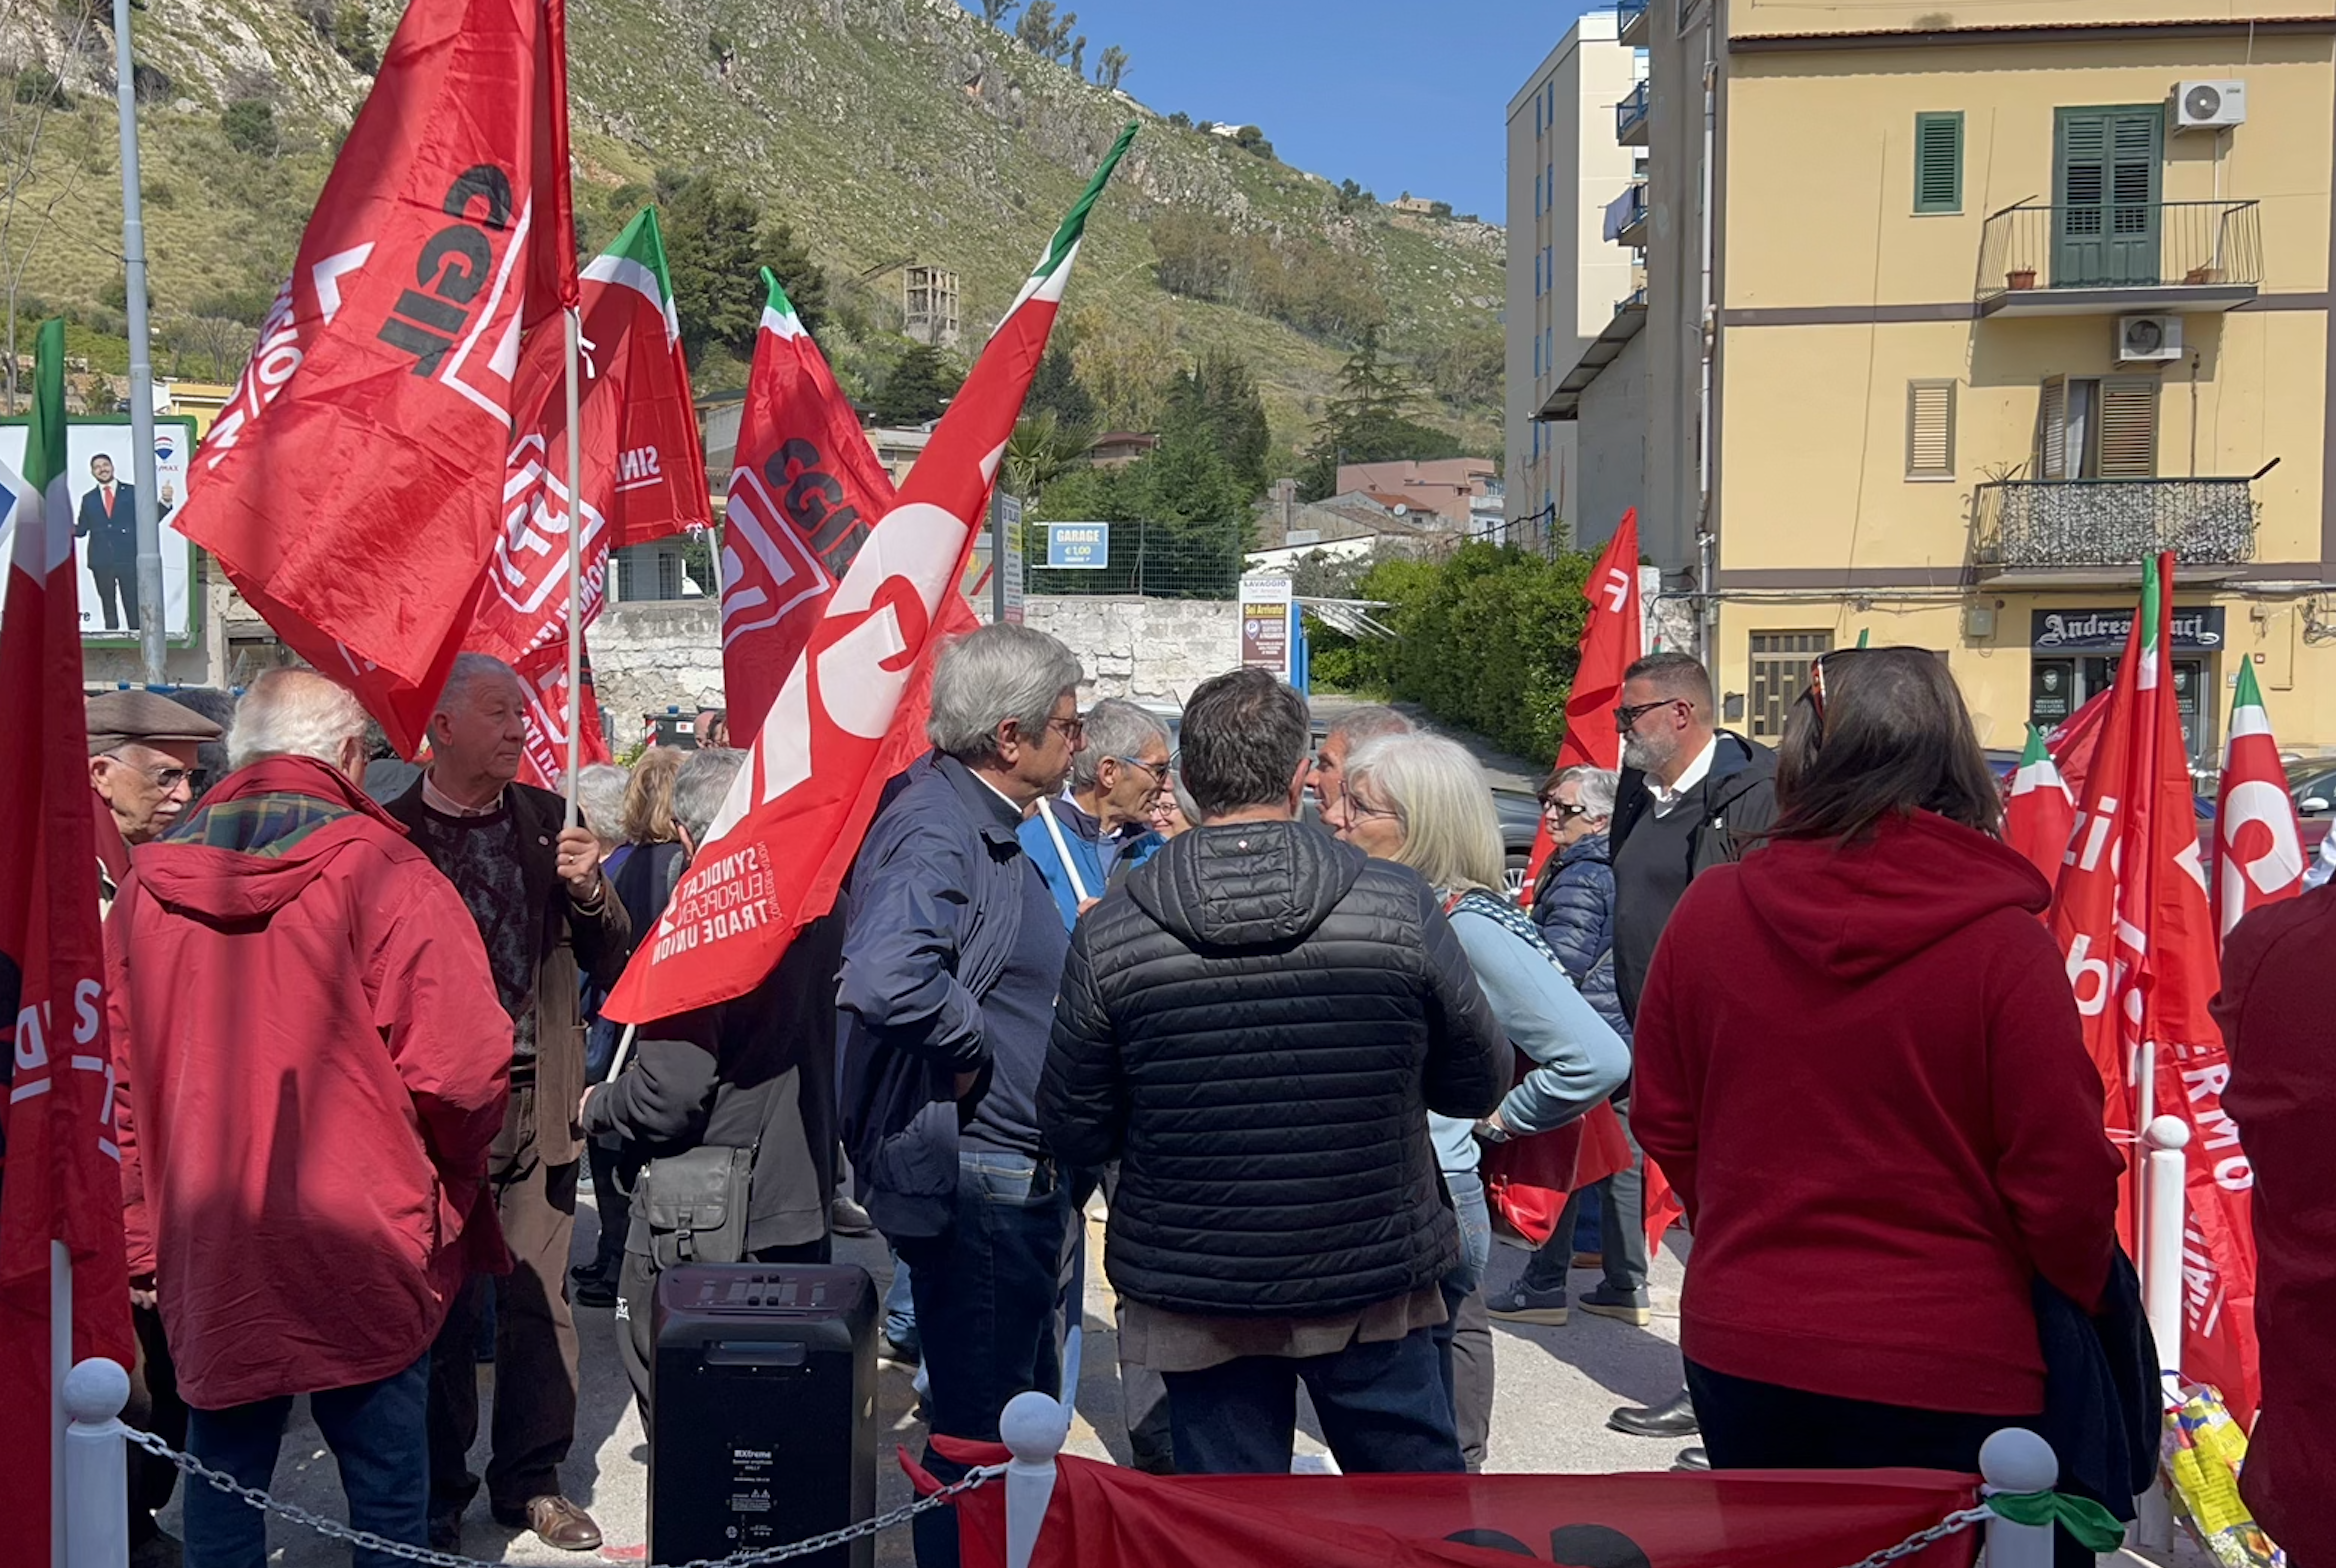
[1261, 996]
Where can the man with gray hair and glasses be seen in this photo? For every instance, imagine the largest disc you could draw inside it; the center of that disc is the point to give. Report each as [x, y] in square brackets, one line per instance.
[755, 1073]
[953, 947]
[1077, 836]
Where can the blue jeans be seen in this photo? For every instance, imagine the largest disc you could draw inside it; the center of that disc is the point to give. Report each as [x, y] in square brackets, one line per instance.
[1384, 1408]
[900, 1308]
[1464, 1341]
[986, 1292]
[379, 1434]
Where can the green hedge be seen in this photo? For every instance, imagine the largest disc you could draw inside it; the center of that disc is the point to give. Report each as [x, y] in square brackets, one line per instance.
[1486, 640]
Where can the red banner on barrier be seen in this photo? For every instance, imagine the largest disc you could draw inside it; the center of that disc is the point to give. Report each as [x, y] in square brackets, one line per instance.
[1102, 1516]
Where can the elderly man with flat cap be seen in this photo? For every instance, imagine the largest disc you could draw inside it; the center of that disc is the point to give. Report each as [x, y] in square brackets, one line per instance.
[142, 765]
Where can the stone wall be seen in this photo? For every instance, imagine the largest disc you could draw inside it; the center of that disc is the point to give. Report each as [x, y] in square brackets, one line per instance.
[647, 656]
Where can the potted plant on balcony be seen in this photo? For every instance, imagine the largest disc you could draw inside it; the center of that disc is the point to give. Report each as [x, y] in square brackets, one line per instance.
[2020, 278]
[2205, 274]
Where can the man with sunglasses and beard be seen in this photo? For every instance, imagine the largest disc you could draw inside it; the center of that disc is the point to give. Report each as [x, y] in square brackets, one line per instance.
[1692, 797]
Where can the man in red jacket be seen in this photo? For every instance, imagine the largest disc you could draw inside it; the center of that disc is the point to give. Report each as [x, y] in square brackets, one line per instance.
[2274, 1014]
[317, 1064]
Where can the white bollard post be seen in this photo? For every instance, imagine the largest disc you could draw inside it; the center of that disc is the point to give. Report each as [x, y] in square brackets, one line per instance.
[97, 1520]
[1034, 1428]
[2165, 1215]
[2017, 1460]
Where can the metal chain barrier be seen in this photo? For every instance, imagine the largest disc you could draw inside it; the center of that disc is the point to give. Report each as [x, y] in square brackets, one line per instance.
[367, 1540]
[1952, 1524]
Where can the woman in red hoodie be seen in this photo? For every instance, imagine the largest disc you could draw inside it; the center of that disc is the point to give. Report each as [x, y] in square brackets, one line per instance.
[1859, 1063]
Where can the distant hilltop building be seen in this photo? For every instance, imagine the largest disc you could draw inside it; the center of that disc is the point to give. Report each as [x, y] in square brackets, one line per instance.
[928, 304]
[1418, 205]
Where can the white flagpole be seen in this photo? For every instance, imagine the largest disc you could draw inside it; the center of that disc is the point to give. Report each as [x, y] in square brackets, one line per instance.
[574, 317]
[60, 1363]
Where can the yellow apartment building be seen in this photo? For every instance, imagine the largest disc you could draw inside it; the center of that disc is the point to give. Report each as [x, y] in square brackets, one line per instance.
[1990, 304]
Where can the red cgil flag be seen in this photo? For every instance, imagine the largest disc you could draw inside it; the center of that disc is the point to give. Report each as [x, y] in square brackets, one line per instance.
[2039, 813]
[2131, 914]
[353, 486]
[785, 839]
[1101, 1515]
[60, 1168]
[803, 497]
[644, 479]
[2259, 848]
[1611, 642]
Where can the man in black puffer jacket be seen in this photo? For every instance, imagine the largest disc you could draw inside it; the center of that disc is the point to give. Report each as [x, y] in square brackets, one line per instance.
[1256, 1024]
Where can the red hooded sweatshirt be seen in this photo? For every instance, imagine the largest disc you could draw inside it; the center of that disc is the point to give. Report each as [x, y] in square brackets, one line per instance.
[2274, 1015]
[1861, 1068]
[316, 1064]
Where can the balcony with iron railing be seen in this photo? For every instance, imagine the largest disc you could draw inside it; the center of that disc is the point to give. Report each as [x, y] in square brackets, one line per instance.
[2095, 530]
[1630, 118]
[1626, 216]
[2119, 258]
[1630, 23]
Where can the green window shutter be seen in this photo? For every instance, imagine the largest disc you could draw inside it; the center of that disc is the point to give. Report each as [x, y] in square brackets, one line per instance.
[1938, 162]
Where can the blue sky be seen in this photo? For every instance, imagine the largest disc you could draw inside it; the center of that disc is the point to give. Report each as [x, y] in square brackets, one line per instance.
[1396, 96]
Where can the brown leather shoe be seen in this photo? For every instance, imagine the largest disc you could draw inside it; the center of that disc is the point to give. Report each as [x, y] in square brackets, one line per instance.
[557, 1523]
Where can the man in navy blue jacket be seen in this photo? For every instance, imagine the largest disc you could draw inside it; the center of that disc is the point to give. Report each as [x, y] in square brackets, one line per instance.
[953, 950]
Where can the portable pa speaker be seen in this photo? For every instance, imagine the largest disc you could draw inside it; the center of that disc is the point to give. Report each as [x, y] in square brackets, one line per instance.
[764, 1401]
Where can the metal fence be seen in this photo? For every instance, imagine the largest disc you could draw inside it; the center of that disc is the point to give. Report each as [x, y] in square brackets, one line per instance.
[2194, 244]
[2041, 523]
[1159, 560]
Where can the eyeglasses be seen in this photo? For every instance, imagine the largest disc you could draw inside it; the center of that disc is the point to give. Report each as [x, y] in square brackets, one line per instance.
[1355, 808]
[1563, 810]
[1626, 719]
[1074, 729]
[1157, 772]
[166, 780]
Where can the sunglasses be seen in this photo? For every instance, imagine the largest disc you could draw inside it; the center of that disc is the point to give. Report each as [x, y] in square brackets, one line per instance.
[1626, 719]
[1563, 810]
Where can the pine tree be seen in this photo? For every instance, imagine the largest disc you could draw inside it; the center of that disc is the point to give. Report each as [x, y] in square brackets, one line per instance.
[919, 387]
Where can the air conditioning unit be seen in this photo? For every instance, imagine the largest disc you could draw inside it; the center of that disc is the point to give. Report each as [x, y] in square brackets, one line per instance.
[2145, 340]
[2209, 106]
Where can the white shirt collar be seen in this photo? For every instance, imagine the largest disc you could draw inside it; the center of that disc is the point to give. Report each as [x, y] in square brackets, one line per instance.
[1017, 807]
[445, 805]
[1663, 799]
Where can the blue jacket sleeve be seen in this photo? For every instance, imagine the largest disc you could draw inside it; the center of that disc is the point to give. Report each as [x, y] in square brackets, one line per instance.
[1579, 1060]
[1573, 912]
[899, 978]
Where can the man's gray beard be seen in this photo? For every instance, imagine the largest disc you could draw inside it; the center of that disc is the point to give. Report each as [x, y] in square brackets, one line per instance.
[1637, 753]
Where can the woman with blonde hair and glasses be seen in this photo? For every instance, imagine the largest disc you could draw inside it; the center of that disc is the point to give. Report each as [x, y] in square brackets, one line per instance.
[1424, 802]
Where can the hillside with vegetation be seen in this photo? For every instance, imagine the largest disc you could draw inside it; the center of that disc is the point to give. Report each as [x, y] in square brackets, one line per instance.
[837, 140]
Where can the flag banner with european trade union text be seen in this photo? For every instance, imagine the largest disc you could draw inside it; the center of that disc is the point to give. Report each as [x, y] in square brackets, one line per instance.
[784, 840]
[353, 486]
[60, 1168]
[1104, 1516]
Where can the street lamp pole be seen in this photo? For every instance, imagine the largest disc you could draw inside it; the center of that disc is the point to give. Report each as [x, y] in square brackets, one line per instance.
[149, 514]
